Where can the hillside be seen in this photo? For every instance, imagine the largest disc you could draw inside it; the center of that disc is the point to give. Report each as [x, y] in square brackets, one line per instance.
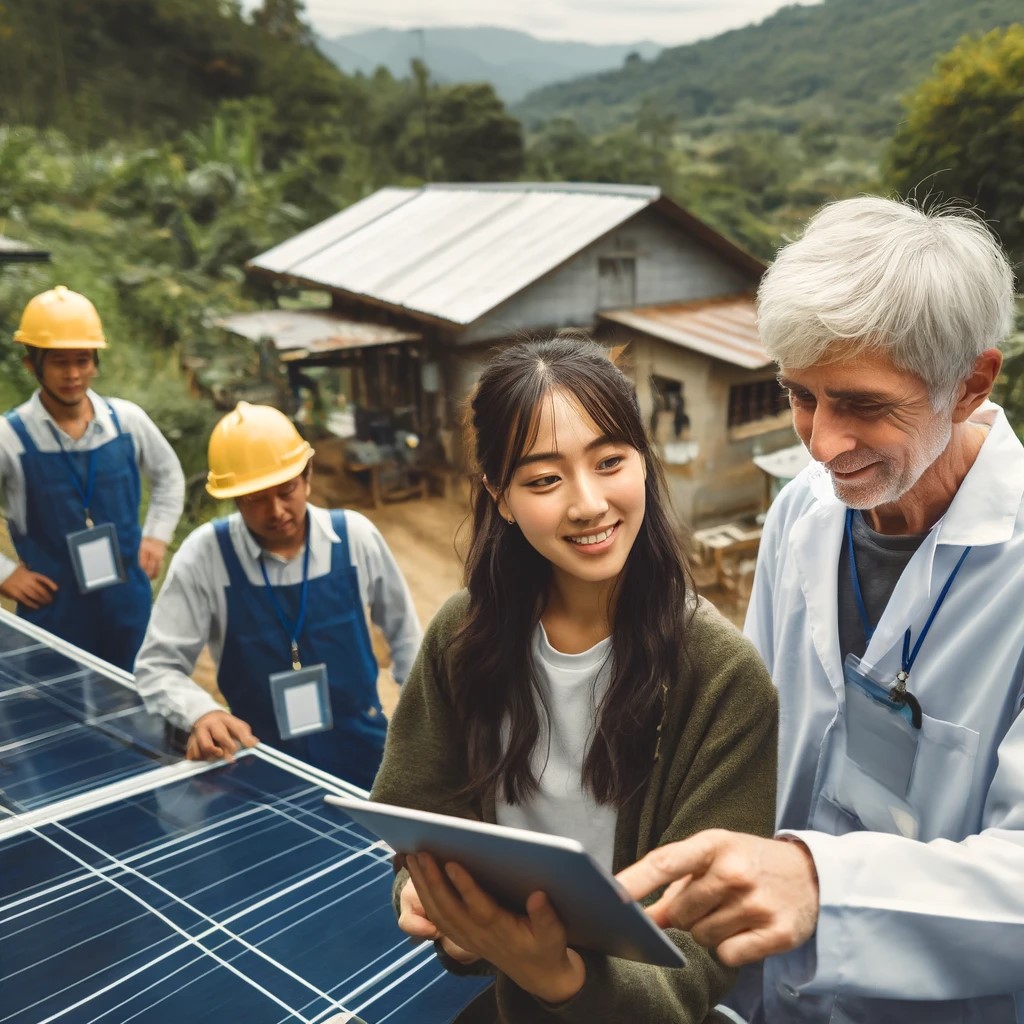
[849, 61]
[515, 63]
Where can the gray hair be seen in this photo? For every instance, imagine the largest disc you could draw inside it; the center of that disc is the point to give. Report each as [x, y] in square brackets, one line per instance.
[933, 290]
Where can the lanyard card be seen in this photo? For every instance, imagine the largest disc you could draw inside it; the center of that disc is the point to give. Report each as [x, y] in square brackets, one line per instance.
[302, 702]
[879, 738]
[96, 558]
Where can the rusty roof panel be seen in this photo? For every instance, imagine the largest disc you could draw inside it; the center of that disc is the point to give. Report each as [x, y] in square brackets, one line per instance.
[724, 329]
[298, 333]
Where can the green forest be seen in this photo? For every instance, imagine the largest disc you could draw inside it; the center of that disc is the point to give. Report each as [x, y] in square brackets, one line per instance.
[153, 146]
[849, 62]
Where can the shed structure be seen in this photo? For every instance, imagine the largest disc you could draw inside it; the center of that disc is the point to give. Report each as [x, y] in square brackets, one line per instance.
[454, 270]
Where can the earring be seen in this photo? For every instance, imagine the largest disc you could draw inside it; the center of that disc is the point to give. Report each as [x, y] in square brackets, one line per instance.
[511, 521]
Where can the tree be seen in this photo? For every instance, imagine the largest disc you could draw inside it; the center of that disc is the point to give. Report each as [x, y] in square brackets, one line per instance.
[474, 137]
[439, 132]
[964, 132]
[283, 19]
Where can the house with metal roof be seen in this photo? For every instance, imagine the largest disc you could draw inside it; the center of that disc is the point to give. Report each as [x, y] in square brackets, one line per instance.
[424, 282]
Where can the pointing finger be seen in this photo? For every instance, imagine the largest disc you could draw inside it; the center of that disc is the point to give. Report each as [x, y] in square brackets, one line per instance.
[666, 864]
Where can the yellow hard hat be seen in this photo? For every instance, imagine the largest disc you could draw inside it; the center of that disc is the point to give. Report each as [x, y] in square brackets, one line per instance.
[252, 448]
[60, 318]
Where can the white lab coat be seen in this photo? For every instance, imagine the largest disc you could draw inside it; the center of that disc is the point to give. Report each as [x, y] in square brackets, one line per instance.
[938, 918]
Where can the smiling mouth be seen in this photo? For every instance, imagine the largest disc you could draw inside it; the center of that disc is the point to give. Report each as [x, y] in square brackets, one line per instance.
[593, 538]
[846, 473]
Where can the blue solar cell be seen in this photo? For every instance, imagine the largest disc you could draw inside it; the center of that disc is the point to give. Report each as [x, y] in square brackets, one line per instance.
[40, 772]
[34, 665]
[14, 639]
[28, 864]
[91, 695]
[423, 992]
[26, 714]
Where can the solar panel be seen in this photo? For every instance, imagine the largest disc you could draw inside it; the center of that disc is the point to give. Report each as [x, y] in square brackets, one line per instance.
[68, 722]
[165, 890]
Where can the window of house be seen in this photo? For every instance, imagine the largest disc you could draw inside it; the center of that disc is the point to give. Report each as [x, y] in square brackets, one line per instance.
[670, 422]
[757, 400]
[669, 419]
[616, 281]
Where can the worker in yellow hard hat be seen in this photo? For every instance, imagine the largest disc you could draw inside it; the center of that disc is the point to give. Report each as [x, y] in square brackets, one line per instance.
[70, 464]
[279, 591]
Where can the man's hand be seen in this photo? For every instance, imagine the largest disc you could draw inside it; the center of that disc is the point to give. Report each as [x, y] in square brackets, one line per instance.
[743, 896]
[151, 556]
[218, 734]
[32, 589]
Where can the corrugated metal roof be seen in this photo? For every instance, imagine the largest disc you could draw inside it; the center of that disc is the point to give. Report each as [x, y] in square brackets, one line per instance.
[454, 252]
[298, 333]
[13, 251]
[283, 257]
[725, 329]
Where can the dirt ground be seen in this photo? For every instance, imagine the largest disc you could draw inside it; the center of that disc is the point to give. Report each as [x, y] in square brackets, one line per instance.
[422, 534]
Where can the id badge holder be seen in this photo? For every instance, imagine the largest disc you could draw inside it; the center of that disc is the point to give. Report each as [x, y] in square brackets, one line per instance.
[302, 703]
[96, 558]
[881, 748]
[880, 736]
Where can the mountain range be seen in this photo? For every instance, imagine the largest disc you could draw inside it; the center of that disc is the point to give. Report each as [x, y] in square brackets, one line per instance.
[515, 63]
[847, 62]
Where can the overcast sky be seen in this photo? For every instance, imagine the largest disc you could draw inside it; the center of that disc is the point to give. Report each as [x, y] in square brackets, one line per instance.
[666, 22]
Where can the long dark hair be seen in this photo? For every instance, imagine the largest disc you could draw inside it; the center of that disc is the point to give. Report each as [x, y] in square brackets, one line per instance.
[493, 677]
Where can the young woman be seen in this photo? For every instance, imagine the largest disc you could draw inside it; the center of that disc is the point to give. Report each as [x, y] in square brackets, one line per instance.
[577, 687]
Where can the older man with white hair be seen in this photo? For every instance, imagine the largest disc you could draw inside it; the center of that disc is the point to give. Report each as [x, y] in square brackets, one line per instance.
[888, 606]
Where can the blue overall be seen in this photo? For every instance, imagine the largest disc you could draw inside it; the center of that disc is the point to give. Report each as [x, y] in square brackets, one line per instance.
[110, 622]
[335, 634]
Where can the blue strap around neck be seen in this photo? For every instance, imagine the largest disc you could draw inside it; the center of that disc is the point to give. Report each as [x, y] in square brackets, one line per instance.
[84, 492]
[909, 655]
[292, 632]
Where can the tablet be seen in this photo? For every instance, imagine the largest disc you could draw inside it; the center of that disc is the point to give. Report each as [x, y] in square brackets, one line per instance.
[510, 863]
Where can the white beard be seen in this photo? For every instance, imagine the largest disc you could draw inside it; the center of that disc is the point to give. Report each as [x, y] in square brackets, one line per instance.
[889, 483]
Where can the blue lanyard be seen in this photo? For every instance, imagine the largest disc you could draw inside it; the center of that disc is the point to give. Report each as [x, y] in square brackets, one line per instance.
[295, 633]
[909, 656]
[90, 481]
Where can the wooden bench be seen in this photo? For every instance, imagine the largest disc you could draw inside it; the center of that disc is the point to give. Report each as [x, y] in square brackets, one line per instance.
[380, 494]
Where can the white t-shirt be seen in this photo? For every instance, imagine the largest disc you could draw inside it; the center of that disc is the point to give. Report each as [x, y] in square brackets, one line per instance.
[572, 686]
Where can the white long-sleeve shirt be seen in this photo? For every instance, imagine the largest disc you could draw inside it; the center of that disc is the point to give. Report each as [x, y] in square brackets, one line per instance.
[191, 609]
[153, 455]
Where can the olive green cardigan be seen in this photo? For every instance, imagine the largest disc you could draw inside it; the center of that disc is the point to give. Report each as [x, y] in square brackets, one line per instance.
[715, 769]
